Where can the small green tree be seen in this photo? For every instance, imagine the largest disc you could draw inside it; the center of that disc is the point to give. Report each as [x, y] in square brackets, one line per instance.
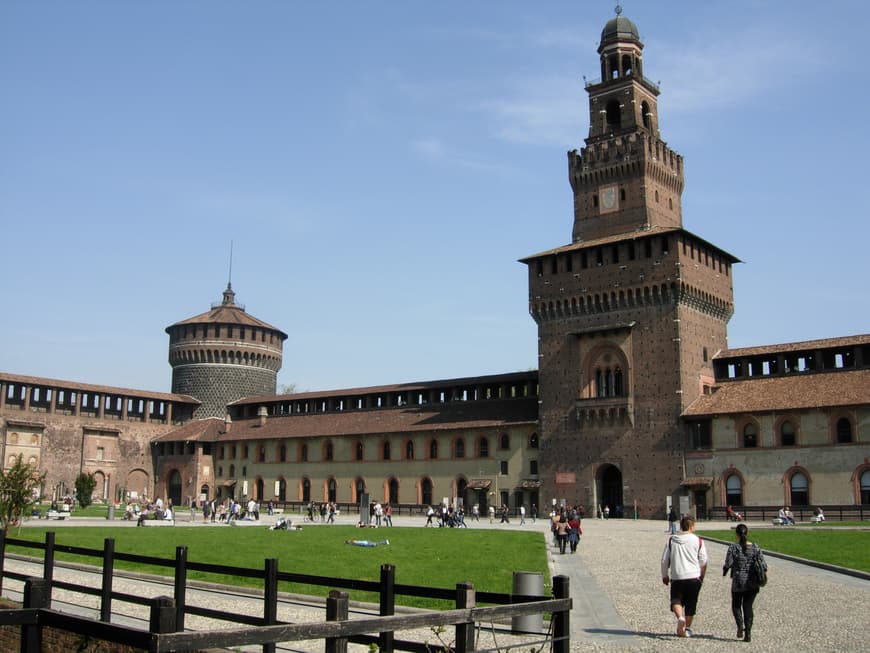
[19, 490]
[85, 484]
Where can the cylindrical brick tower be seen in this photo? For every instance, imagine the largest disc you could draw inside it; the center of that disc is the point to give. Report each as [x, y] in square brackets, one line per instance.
[223, 355]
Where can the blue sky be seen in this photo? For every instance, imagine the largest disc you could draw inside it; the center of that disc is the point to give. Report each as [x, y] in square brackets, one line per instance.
[381, 166]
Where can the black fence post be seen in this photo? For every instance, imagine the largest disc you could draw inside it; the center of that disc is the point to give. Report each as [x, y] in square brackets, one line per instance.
[336, 610]
[180, 586]
[561, 619]
[48, 564]
[2, 556]
[465, 598]
[162, 615]
[36, 595]
[108, 572]
[270, 599]
[387, 605]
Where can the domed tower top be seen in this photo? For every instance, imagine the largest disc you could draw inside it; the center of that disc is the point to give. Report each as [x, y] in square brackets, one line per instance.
[223, 355]
[619, 29]
[620, 48]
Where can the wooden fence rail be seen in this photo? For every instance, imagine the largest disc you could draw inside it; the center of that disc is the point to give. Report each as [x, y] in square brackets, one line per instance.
[167, 615]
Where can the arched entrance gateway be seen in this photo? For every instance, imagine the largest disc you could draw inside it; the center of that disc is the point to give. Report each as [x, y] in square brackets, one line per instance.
[609, 486]
[173, 488]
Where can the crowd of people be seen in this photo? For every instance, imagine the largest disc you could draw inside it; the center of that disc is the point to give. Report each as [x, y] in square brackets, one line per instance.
[447, 516]
[151, 510]
[565, 526]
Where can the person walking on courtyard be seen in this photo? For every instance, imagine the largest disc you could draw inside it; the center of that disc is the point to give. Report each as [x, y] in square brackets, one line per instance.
[672, 521]
[534, 514]
[430, 514]
[574, 532]
[562, 533]
[491, 514]
[684, 563]
[522, 515]
[388, 515]
[743, 558]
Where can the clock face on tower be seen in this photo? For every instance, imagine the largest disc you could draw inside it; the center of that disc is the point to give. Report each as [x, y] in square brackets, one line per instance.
[609, 198]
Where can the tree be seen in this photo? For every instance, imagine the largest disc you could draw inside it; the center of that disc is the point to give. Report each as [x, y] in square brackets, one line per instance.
[85, 484]
[20, 486]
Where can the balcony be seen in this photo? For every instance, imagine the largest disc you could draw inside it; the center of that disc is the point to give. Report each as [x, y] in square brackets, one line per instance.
[605, 410]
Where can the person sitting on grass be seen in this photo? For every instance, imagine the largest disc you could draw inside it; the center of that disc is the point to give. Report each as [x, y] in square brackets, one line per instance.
[366, 543]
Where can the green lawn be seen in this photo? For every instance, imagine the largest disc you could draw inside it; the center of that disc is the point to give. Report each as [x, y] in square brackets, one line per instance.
[842, 547]
[434, 557]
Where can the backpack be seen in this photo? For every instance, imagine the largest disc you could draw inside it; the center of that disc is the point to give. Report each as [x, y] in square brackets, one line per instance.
[759, 574]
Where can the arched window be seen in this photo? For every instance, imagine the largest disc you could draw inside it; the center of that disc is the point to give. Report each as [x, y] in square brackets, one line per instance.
[644, 109]
[734, 490]
[232, 471]
[504, 441]
[787, 434]
[533, 441]
[433, 450]
[483, 448]
[386, 450]
[393, 490]
[844, 430]
[360, 487]
[331, 491]
[459, 448]
[409, 450]
[865, 487]
[282, 489]
[261, 453]
[605, 370]
[426, 492]
[359, 451]
[282, 453]
[750, 435]
[800, 489]
[328, 451]
[306, 489]
[303, 453]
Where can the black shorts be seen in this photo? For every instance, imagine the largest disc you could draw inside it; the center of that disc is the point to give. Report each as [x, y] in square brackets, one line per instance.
[685, 593]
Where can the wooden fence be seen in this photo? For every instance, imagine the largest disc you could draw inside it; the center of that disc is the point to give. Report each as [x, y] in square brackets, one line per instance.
[167, 614]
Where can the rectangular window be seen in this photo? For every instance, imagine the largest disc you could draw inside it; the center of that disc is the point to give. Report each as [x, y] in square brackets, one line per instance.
[503, 467]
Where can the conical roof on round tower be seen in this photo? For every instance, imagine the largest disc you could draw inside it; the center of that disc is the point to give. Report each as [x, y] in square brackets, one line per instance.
[224, 355]
[227, 312]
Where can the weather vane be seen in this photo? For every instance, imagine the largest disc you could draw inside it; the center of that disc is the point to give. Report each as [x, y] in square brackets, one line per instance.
[618, 9]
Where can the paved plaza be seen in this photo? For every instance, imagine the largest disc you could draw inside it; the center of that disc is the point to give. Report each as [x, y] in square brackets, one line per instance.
[620, 603]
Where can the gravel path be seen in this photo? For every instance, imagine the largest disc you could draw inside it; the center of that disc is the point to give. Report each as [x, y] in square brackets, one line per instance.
[801, 608]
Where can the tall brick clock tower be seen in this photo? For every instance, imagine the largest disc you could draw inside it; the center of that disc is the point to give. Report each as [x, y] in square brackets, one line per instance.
[629, 313]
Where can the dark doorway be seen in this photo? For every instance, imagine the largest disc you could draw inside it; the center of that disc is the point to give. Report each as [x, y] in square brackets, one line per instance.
[701, 504]
[611, 490]
[174, 487]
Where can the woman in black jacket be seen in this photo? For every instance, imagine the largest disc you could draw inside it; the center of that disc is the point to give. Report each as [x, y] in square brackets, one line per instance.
[741, 560]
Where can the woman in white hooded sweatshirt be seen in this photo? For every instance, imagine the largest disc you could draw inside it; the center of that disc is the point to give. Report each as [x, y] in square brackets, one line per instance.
[684, 563]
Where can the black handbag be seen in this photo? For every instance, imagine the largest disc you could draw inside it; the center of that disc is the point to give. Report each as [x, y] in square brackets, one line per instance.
[758, 570]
